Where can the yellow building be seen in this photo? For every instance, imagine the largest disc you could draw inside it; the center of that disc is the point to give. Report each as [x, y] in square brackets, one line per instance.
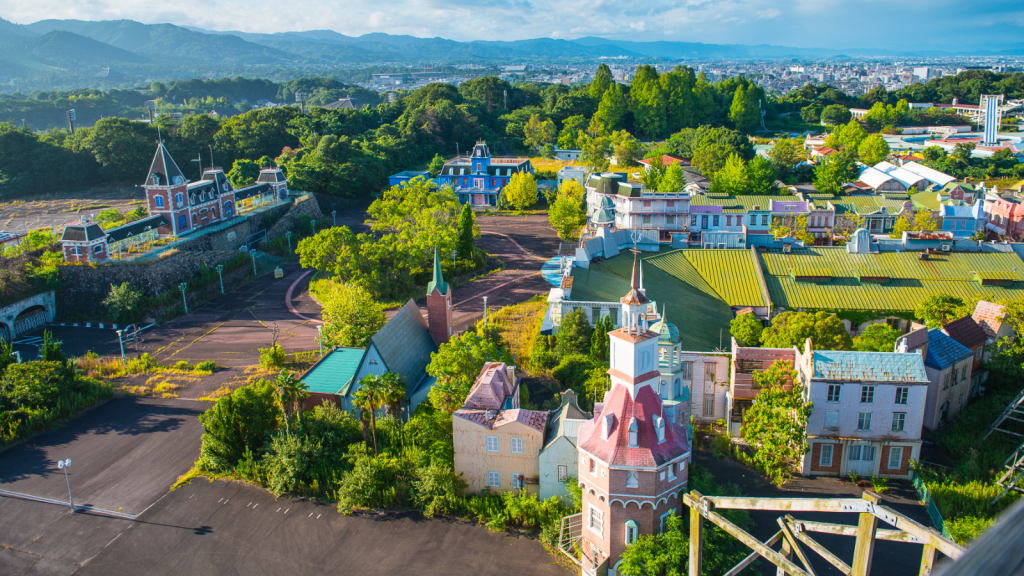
[497, 443]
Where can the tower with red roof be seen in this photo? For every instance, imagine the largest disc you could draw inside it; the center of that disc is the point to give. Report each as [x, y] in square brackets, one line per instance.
[632, 457]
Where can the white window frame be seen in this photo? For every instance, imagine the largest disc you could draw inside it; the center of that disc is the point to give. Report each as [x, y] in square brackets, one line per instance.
[518, 481]
[158, 201]
[825, 449]
[867, 394]
[632, 531]
[493, 479]
[899, 421]
[672, 471]
[632, 479]
[595, 521]
[834, 392]
[902, 393]
[493, 444]
[709, 406]
[898, 452]
[864, 421]
[516, 444]
[563, 473]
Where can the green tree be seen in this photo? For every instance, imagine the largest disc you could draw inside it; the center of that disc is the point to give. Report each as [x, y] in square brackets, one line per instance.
[792, 227]
[572, 127]
[351, 316]
[732, 178]
[776, 423]
[602, 81]
[573, 334]
[877, 338]
[785, 155]
[924, 220]
[811, 113]
[521, 191]
[467, 228]
[539, 132]
[672, 180]
[243, 173]
[124, 303]
[584, 375]
[877, 116]
[595, 153]
[567, 214]
[937, 311]
[599, 340]
[789, 329]
[436, 165]
[456, 365]
[743, 112]
[832, 173]
[648, 103]
[376, 392]
[962, 152]
[611, 112]
[850, 136]
[902, 224]
[290, 390]
[238, 425]
[626, 148]
[746, 329]
[873, 149]
[835, 114]
[761, 177]
[123, 148]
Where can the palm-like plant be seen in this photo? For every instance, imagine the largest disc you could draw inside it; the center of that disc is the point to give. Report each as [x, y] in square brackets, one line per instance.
[376, 391]
[290, 390]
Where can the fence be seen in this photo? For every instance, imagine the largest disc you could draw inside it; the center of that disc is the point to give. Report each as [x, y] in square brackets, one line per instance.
[933, 511]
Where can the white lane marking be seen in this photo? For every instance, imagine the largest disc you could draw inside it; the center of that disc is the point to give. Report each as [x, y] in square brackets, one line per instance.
[317, 516]
[310, 515]
[219, 501]
[254, 507]
[286, 511]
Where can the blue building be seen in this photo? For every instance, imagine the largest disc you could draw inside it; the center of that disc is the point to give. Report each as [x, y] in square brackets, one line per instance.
[963, 220]
[402, 177]
[479, 178]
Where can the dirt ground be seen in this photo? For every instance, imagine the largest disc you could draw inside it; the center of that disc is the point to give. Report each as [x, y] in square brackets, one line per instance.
[59, 209]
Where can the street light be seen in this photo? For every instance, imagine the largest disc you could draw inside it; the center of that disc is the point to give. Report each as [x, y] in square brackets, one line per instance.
[320, 338]
[63, 465]
[288, 235]
[312, 222]
[220, 272]
[485, 310]
[120, 339]
[253, 254]
[334, 214]
[183, 286]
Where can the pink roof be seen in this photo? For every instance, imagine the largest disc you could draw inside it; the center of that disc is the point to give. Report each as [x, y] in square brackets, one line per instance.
[615, 450]
[491, 419]
[490, 389]
[990, 317]
[666, 160]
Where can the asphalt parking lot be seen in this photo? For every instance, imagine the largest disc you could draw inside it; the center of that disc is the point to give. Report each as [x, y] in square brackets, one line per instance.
[230, 528]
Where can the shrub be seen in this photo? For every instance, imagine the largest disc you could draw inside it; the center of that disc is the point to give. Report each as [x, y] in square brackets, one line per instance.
[181, 365]
[439, 490]
[239, 422]
[124, 303]
[273, 357]
[721, 446]
[965, 529]
[207, 366]
[374, 482]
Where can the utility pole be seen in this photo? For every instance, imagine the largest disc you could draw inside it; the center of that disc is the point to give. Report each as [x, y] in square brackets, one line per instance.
[183, 286]
[210, 146]
[70, 114]
[199, 159]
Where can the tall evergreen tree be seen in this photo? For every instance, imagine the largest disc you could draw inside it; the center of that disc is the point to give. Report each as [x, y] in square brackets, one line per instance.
[743, 116]
[611, 113]
[732, 178]
[648, 102]
[602, 81]
[678, 88]
[599, 341]
[467, 221]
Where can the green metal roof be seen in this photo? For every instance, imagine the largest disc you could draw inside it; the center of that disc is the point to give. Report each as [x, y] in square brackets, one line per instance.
[737, 203]
[910, 280]
[437, 280]
[730, 272]
[334, 371]
[927, 199]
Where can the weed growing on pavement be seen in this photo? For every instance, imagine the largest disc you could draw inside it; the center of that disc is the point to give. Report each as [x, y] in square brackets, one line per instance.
[107, 368]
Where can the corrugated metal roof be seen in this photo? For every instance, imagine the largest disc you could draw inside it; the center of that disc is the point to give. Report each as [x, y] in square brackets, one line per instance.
[334, 371]
[869, 366]
[731, 273]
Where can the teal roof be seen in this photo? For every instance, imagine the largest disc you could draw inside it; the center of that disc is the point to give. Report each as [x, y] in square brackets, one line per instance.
[437, 280]
[603, 216]
[334, 371]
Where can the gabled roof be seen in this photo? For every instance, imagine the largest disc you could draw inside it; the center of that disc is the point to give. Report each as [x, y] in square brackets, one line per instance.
[135, 228]
[565, 420]
[615, 450]
[905, 177]
[334, 372]
[927, 173]
[990, 317]
[82, 232]
[491, 388]
[966, 331]
[846, 365]
[405, 345]
[944, 351]
[162, 170]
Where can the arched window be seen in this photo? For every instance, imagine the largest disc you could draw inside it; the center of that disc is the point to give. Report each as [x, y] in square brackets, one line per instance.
[632, 531]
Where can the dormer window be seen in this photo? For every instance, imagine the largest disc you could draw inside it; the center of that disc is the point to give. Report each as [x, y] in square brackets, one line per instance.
[659, 427]
[609, 423]
[633, 433]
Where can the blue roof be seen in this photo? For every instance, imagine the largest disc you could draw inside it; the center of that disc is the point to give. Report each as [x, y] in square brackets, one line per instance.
[962, 211]
[334, 371]
[943, 351]
[410, 174]
[869, 366]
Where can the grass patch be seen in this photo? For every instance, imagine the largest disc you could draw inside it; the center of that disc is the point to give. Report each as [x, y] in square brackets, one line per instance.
[519, 325]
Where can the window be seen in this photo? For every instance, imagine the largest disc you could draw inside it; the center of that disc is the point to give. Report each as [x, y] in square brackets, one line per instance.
[633, 433]
[709, 405]
[864, 421]
[671, 471]
[670, 203]
[647, 203]
[895, 458]
[675, 388]
[978, 353]
[901, 394]
[715, 220]
[728, 220]
[516, 445]
[179, 199]
[945, 381]
[593, 465]
[825, 458]
[632, 530]
[899, 419]
[596, 523]
[703, 221]
[76, 251]
[686, 370]
[709, 372]
[670, 219]
[659, 428]
[517, 481]
[494, 479]
[832, 419]
[97, 248]
[492, 444]
[647, 219]
[867, 394]
[833, 392]
[158, 201]
[563, 473]
[665, 517]
[963, 373]
[693, 220]
[862, 453]
[764, 220]
[632, 479]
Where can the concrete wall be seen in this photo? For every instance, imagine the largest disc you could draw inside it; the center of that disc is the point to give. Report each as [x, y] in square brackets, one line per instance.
[11, 326]
[957, 393]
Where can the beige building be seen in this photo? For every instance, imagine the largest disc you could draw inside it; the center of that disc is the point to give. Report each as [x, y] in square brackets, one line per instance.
[497, 443]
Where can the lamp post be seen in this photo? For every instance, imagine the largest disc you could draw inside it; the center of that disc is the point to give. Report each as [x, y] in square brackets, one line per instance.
[320, 338]
[120, 340]
[183, 286]
[312, 222]
[288, 235]
[485, 310]
[334, 214]
[63, 465]
[220, 273]
[253, 254]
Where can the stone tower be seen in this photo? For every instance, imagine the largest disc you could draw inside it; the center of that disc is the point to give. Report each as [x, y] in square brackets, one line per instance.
[632, 458]
[439, 305]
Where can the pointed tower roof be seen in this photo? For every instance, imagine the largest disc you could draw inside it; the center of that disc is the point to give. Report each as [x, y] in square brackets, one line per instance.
[163, 171]
[437, 280]
[636, 296]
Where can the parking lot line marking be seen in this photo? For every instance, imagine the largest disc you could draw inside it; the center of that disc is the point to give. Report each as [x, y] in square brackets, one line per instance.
[249, 504]
[228, 500]
[254, 507]
[317, 516]
[310, 515]
[218, 501]
[286, 511]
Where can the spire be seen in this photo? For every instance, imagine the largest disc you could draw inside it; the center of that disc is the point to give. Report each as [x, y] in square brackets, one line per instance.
[642, 289]
[163, 171]
[437, 280]
[635, 282]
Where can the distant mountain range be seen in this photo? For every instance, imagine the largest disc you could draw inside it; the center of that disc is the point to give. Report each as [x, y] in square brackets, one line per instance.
[80, 46]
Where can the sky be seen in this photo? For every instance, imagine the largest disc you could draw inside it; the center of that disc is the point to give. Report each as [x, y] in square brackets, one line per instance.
[908, 24]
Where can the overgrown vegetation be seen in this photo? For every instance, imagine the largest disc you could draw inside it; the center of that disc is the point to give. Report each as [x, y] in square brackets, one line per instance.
[776, 423]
